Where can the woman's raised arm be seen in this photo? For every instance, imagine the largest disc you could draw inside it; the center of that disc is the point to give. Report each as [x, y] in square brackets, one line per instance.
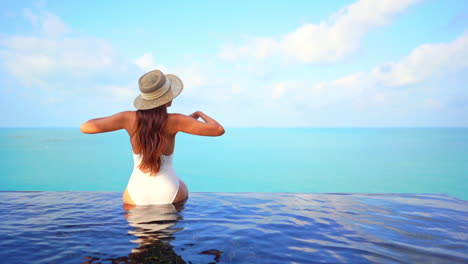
[190, 125]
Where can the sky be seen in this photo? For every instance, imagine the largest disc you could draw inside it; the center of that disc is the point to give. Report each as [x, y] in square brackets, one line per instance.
[365, 63]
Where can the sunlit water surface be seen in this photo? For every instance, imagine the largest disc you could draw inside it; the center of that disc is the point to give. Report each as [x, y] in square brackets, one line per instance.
[94, 227]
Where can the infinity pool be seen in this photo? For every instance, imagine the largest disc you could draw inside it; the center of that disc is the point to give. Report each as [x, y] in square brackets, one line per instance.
[94, 227]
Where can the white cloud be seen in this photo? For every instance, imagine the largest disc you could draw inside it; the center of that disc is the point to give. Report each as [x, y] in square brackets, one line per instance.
[54, 64]
[424, 62]
[146, 63]
[193, 76]
[231, 52]
[116, 93]
[237, 89]
[259, 89]
[327, 41]
[380, 98]
[278, 91]
[34, 59]
[62, 64]
[52, 100]
[288, 89]
[52, 25]
[34, 19]
[53, 52]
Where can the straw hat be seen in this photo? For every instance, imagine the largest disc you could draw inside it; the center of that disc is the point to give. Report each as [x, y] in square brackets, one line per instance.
[157, 89]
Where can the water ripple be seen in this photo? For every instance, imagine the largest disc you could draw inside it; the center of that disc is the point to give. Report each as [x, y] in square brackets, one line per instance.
[93, 227]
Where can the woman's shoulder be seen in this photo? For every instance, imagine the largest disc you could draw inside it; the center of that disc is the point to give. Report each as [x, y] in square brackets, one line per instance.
[171, 116]
[129, 114]
[173, 122]
[176, 116]
[177, 119]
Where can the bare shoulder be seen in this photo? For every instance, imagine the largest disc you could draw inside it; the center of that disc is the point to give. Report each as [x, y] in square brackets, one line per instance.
[130, 118]
[170, 127]
[174, 120]
[177, 117]
[128, 114]
[179, 120]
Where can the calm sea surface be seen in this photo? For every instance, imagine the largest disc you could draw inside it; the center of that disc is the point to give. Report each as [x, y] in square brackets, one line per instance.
[258, 195]
[93, 227]
[306, 160]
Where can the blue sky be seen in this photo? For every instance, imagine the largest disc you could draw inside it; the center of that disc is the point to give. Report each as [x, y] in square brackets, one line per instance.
[245, 63]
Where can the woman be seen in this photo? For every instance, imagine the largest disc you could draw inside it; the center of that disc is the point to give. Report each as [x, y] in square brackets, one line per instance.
[152, 134]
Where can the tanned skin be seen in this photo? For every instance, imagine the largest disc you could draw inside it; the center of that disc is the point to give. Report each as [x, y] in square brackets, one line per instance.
[175, 123]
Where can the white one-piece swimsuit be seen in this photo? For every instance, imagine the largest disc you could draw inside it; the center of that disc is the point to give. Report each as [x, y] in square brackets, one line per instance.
[161, 188]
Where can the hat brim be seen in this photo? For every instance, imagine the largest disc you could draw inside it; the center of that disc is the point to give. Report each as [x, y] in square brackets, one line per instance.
[174, 90]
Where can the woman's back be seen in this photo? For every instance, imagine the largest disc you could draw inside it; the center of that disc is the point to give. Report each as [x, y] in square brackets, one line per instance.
[177, 123]
[164, 187]
[169, 132]
[152, 135]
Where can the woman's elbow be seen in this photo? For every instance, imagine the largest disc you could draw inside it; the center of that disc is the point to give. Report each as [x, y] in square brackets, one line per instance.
[220, 131]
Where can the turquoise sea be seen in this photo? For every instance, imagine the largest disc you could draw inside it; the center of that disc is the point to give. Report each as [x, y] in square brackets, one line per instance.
[301, 160]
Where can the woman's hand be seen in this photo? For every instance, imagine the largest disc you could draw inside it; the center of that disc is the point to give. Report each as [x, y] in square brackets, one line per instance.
[187, 124]
[195, 115]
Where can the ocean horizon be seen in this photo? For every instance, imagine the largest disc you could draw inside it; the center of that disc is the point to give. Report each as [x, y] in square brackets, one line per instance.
[298, 160]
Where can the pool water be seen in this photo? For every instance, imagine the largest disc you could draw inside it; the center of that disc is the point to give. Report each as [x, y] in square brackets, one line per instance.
[94, 227]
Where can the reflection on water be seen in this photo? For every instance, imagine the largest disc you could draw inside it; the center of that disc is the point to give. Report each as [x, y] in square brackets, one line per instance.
[92, 227]
[153, 222]
[153, 227]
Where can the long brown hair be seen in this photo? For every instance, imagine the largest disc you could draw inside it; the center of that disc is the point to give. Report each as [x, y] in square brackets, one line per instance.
[150, 136]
